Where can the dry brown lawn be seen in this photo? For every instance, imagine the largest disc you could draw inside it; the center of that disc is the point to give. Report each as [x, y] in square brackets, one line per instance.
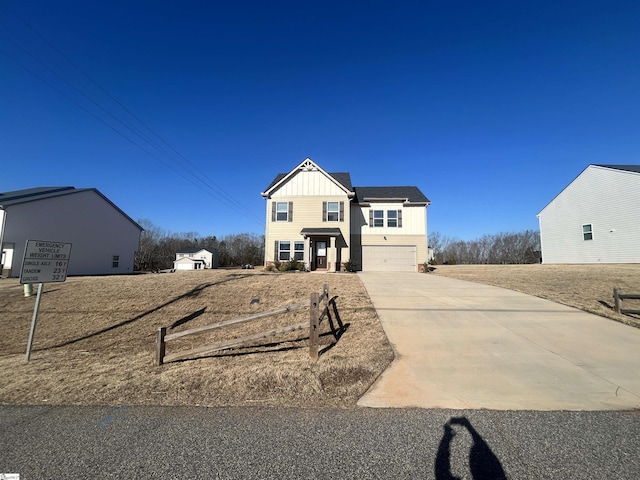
[94, 341]
[587, 287]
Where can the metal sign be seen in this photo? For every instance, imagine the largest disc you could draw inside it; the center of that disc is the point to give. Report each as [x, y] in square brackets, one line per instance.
[45, 262]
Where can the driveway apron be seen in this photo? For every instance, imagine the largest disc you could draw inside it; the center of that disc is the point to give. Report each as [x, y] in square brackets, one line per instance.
[465, 345]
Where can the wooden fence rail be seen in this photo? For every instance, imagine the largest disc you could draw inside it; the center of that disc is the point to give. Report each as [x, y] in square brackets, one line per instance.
[618, 297]
[317, 313]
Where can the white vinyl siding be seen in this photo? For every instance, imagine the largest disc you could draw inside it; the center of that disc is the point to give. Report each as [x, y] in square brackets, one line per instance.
[607, 200]
[313, 183]
[411, 219]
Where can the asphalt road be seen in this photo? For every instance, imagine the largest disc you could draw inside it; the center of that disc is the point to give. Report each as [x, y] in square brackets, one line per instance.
[47, 442]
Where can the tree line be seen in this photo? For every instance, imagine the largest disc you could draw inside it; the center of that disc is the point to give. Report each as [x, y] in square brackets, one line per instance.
[158, 247]
[501, 248]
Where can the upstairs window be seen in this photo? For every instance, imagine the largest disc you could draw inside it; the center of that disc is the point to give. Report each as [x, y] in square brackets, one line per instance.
[378, 218]
[333, 211]
[392, 218]
[587, 232]
[282, 211]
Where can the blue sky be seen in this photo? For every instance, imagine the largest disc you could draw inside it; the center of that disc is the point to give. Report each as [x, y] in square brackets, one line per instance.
[490, 108]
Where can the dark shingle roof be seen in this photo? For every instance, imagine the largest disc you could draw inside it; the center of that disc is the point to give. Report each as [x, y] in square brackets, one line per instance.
[413, 194]
[626, 168]
[329, 232]
[30, 194]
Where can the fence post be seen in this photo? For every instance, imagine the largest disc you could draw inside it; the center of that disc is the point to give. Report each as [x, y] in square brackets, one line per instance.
[160, 346]
[314, 316]
[616, 298]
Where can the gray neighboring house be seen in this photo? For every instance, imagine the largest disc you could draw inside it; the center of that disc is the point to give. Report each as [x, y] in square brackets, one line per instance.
[104, 239]
[595, 219]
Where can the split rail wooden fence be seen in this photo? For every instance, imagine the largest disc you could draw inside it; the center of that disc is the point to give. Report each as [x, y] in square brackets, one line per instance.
[320, 307]
[618, 297]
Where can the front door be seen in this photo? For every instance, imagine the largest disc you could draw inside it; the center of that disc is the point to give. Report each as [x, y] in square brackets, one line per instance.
[321, 255]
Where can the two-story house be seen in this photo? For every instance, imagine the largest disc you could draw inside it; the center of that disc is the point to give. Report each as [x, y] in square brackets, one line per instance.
[196, 259]
[321, 219]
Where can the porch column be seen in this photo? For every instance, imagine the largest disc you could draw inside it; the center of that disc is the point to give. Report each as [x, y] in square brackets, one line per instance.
[307, 253]
[332, 255]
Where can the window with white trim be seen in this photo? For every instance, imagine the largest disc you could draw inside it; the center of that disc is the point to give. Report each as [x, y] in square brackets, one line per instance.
[378, 218]
[298, 252]
[333, 211]
[392, 218]
[587, 232]
[284, 251]
[282, 211]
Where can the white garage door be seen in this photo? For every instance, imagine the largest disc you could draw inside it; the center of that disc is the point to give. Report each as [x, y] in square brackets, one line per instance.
[183, 266]
[389, 258]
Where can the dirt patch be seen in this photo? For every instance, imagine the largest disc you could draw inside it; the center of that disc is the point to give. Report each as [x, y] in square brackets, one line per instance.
[94, 342]
[587, 287]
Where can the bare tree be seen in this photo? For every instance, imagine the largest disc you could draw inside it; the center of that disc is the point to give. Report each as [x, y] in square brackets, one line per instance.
[510, 247]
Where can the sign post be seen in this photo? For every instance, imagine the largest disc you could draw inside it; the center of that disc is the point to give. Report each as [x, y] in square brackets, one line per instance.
[43, 262]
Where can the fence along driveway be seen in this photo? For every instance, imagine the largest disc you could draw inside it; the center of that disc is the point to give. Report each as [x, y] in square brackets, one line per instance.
[465, 345]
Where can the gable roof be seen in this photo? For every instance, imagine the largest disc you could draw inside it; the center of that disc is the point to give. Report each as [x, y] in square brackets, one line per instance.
[626, 168]
[194, 250]
[342, 179]
[18, 197]
[408, 194]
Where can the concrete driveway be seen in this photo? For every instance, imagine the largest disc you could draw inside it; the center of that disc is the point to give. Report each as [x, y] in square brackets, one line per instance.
[465, 345]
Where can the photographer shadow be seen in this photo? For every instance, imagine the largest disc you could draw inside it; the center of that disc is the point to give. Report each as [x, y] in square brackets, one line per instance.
[483, 463]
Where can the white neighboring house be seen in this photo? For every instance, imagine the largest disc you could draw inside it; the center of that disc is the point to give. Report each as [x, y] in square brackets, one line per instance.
[595, 219]
[104, 239]
[195, 259]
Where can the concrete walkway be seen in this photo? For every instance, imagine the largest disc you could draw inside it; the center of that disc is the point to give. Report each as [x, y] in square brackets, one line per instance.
[465, 345]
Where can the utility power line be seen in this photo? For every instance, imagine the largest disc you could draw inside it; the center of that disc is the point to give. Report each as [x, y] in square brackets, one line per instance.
[178, 162]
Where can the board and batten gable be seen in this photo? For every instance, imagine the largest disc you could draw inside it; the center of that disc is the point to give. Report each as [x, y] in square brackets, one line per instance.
[595, 219]
[305, 190]
[97, 230]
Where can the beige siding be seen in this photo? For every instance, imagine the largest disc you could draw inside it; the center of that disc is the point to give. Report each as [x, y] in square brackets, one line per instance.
[307, 213]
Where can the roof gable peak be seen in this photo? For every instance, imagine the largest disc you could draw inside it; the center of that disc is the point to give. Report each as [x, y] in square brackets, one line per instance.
[308, 165]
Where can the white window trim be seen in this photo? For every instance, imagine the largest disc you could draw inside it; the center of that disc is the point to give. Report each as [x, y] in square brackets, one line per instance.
[286, 211]
[281, 251]
[336, 212]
